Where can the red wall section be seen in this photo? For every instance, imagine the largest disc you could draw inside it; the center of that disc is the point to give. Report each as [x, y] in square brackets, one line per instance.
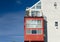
[34, 37]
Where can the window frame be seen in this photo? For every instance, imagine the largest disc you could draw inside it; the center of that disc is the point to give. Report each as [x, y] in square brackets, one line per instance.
[38, 32]
[34, 24]
[35, 13]
[56, 23]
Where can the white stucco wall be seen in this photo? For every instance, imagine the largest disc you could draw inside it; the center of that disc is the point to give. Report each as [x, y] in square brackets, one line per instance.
[52, 15]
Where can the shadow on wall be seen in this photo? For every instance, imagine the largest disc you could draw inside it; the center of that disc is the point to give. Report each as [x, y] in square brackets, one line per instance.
[45, 31]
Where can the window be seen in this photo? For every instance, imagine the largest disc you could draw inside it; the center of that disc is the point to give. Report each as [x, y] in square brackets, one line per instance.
[55, 4]
[28, 31]
[39, 31]
[38, 6]
[56, 23]
[34, 32]
[27, 13]
[35, 13]
[33, 24]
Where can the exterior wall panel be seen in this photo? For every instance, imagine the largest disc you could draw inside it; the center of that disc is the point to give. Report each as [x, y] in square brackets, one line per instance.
[52, 14]
[33, 37]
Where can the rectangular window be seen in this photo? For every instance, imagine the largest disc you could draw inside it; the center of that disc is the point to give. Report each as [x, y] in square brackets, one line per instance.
[28, 31]
[27, 13]
[56, 23]
[38, 7]
[34, 31]
[35, 13]
[33, 24]
[39, 31]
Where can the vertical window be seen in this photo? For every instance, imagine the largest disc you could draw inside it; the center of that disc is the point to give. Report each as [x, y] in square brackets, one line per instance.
[55, 5]
[35, 13]
[27, 13]
[39, 31]
[56, 23]
[28, 31]
[39, 24]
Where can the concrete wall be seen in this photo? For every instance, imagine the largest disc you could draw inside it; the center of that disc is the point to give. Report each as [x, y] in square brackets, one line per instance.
[52, 14]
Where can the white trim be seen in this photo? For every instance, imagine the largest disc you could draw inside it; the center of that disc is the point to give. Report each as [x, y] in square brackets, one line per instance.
[33, 5]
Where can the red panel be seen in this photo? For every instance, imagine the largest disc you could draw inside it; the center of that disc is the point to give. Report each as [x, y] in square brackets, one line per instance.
[25, 19]
[37, 41]
[34, 29]
[33, 41]
[33, 37]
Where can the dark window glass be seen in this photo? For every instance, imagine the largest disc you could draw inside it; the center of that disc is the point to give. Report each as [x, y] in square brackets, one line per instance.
[27, 13]
[56, 23]
[55, 4]
[34, 31]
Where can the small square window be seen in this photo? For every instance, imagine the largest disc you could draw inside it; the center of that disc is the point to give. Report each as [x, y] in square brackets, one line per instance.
[38, 7]
[39, 31]
[28, 31]
[34, 31]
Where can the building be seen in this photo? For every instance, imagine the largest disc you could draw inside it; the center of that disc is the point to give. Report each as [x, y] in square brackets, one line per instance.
[34, 24]
[50, 11]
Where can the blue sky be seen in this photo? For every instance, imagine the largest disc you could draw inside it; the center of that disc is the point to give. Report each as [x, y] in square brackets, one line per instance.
[12, 19]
